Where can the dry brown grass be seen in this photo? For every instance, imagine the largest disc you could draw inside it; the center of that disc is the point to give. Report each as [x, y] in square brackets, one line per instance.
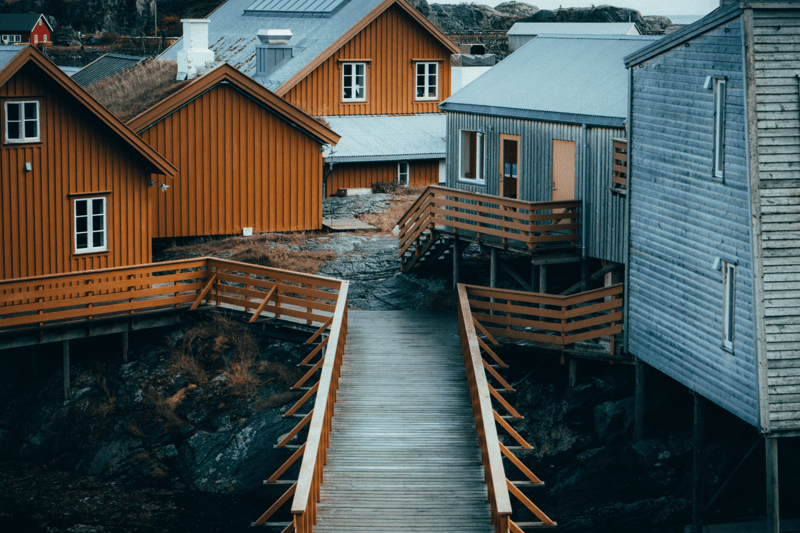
[137, 89]
[276, 250]
[387, 219]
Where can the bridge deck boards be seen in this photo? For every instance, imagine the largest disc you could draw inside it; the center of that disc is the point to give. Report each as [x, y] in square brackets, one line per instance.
[404, 453]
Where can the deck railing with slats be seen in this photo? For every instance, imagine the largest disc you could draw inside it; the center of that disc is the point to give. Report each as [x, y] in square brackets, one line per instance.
[64, 299]
[548, 318]
[522, 224]
[619, 177]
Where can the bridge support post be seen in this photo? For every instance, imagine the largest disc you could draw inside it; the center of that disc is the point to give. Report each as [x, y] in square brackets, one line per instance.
[698, 460]
[65, 352]
[34, 360]
[534, 275]
[573, 371]
[773, 514]
[456, 263]
[124, 347]
[493, 268]
[638, 408]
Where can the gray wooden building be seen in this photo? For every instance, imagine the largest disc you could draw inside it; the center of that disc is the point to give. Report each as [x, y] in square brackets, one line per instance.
[713, 289]
[539, 127]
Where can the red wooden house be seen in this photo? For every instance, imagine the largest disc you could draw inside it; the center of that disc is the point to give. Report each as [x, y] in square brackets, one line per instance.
[25, 28]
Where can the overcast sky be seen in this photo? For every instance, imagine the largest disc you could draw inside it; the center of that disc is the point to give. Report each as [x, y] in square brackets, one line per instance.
[646, 7]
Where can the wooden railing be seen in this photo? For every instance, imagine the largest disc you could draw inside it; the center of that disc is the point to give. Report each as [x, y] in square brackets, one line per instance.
[92, 295]
[548, 318]
[619, 177]
[492, 450]
[524, 224]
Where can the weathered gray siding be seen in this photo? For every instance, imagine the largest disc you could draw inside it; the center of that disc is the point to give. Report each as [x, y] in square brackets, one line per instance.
[776, 44]
[682, 219]
[605, 210]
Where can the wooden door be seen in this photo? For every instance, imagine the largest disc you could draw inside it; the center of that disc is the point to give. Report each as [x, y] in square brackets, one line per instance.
[563, 170]
[509, 166]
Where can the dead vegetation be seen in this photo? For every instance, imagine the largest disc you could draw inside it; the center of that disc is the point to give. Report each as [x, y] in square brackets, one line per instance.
[276, 250]
[387, 219]
[137, 89]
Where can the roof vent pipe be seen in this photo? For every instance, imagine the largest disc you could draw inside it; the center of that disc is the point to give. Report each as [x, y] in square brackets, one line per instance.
[195, 55]
[272, 50]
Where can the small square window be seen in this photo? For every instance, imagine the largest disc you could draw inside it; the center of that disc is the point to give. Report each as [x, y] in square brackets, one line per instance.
[90, 225]
[22, 122]
[354, 82]
[472, 150]
[403, 174]
[427, 81]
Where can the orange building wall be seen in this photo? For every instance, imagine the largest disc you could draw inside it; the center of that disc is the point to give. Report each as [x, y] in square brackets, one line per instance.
[77, 154]
[362, 175]
[391, 73]
[239, 166]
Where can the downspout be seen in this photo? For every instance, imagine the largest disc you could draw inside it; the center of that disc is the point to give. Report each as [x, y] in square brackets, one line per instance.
[325, 179]
[626, 237]
[584, 191]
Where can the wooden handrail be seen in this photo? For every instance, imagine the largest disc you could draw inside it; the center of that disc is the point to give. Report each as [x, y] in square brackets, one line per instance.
[619, 175]
[304, 505]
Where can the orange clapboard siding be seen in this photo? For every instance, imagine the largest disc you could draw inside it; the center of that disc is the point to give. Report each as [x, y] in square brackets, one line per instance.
[390, 70]
[80, 153]
[240, 165]
[364, 175]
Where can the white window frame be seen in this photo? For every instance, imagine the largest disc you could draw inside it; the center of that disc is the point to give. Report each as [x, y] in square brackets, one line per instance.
[35, 39]
[354, 86]
[404, 182]
[90, 248]
[12, 38]
[480, 158]
[22, 120]
[728, 303]
[720, 91]
[429, 69]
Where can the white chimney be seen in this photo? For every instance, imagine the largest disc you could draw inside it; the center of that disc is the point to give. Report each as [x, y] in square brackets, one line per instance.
[272, 51]
[194, 55]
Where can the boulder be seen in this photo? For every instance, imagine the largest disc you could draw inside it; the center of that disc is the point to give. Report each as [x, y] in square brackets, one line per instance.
[650, 452]
[609, 418]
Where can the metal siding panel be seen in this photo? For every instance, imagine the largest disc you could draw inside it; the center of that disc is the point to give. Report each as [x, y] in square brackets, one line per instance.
[681, 220]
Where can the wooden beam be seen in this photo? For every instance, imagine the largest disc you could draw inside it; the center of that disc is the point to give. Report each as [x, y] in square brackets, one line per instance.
[124, 347]
[65, 353]
[275, 506]
[263, 304]
[491, 353]
[732, 475]
[308, 374]
[546, 521]
[773, 509]
[484, 332]
[524, 469]
[204, 292]
[511, 431]
[600, 273]
[285, 466]
[456, 263]
[504, 402]
[302, 400]
[319, 331]
[511, 272]
[698, 460]
[300, 425]
[494, 373]
[314, 352]
[573, 372]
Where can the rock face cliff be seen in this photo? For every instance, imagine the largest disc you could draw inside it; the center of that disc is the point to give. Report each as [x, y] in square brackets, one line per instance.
[648, 25]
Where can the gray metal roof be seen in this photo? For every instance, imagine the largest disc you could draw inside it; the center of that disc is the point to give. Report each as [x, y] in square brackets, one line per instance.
[232, 36]
[7, 53]
[103, 67]
[557, 78]
[306, 8]
[574, 28]
[388, 138]
[20, 22]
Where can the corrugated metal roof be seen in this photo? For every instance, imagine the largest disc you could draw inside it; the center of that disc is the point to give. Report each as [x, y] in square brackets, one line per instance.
[7, 53]
[19, 22]
[388, 137]
[574, 28]
[232, 36]
[104, 67]
[314, 8]
[559, 78]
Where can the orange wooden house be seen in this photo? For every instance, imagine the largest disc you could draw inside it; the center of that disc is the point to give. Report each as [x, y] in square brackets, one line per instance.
[375, 69]
[73, 178]
[247, 160]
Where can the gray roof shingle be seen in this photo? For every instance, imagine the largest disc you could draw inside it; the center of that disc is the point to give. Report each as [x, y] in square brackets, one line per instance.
[7, 53]
[104, 67]
[388, 138]
[557, 78]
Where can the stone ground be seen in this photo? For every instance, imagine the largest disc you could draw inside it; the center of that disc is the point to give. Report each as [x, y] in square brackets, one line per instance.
[153, 446]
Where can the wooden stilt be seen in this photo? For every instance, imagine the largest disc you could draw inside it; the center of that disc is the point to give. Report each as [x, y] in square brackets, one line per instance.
[638, 413]
[773, 514]
[698, 478]
[573, 371]
[65, 349]
[584, 276]
[34, 360]
[543, 278]
[456, 263]
[534, 275]
[124, 347]
[493, 268]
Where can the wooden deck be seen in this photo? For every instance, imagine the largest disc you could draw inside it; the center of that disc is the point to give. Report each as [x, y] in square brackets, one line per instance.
[404, 453]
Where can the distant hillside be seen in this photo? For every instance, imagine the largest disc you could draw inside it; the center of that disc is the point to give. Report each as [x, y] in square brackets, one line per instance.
[135, 17]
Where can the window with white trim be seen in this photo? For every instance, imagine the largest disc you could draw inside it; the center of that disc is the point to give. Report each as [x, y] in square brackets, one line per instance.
[90, 225]
[728, 302]
[403, 173]
[471, 161]
[35, 39]
[22, 122]
[354, 82]
[11, 38]
[719, 126]
[427, 81]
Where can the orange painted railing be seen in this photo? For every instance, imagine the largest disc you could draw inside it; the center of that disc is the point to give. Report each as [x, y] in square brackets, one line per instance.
[492, 450]
[548, 318]
[525, 224]
[96, 294]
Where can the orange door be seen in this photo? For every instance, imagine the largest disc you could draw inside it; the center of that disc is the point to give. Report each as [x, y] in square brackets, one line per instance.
[563, 171]
[509, 166]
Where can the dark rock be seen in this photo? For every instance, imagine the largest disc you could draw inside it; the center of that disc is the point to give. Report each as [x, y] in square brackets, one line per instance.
[609, 418]
[113, 456]
[605, 13]
[650, 452]
[186, 430]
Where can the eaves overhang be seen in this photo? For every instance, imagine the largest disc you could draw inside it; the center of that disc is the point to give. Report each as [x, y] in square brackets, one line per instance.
[532, 114]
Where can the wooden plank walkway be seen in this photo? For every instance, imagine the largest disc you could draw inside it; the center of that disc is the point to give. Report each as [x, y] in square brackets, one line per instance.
[404, 453]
